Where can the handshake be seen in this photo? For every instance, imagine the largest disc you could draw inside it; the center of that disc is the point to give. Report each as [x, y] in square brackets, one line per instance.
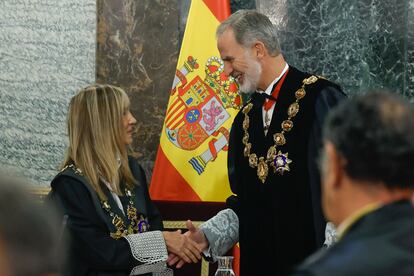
[185, 248]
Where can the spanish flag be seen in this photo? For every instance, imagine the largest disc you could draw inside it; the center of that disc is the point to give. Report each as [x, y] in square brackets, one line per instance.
[191, 163]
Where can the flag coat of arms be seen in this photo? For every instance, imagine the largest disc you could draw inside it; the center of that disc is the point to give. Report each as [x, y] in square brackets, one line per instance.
[191, 163]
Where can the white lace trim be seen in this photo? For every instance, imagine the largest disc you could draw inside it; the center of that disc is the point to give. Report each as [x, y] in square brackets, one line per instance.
[331, 236]
[222, 232]
[167, 272]
[149, 249]
[161, 270]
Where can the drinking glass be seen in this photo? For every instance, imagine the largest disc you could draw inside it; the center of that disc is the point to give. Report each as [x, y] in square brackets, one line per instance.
[225, 266]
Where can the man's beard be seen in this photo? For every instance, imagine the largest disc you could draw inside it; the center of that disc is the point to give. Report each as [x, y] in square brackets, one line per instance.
[251, 77]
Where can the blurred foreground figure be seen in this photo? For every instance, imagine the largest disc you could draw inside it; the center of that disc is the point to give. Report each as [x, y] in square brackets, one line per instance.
[29, 234]
[367, 185]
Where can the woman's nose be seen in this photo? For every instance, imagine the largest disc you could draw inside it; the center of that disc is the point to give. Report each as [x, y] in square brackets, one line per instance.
[132, 120]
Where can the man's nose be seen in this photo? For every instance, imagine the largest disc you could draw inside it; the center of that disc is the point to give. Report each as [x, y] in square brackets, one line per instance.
[228, 69]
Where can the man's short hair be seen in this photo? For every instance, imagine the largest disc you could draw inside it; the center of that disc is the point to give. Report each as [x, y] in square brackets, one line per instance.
[28, 230]
[250, 26]
[374, 133]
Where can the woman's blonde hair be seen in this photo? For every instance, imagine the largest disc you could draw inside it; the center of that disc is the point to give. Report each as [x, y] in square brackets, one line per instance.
[96, 136]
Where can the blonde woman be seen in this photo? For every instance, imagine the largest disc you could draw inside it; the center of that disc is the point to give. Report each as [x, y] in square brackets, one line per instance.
[113, 227]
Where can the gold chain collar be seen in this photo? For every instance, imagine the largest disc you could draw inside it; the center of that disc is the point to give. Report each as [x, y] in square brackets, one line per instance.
[137, 225]
[277, 160]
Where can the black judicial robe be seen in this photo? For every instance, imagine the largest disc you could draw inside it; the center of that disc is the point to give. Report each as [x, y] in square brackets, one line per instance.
[379, 244]
[90, 249]
[281, 221]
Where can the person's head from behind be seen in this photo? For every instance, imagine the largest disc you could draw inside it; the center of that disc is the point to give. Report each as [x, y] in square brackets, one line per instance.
[368, 154]
[29, 233]
[100, 127]
[246, 40]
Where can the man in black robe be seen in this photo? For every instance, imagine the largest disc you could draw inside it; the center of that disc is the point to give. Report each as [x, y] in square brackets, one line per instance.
[367, 189]
[273, 147]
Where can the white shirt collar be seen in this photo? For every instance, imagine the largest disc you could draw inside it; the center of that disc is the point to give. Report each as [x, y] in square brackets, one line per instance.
[268, 90]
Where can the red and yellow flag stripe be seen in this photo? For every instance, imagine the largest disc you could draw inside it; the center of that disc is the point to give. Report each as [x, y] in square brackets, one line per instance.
[173, 177]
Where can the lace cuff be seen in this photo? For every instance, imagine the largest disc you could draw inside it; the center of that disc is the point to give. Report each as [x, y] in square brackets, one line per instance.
[149, 249]
[222, 232]
[331, 236]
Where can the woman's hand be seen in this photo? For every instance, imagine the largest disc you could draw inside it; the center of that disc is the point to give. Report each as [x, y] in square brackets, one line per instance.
[182, 246]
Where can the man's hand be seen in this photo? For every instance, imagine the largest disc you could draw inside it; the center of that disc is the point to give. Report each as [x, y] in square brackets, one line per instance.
[182, 246]
[196, 235]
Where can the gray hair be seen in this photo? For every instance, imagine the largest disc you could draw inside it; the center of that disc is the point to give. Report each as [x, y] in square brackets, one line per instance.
[250, 26]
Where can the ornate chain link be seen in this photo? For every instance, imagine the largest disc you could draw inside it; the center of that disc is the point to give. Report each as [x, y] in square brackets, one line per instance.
[136, 225]
[277, 160]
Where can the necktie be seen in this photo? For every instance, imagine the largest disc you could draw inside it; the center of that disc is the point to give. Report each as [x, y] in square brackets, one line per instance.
[275, 93]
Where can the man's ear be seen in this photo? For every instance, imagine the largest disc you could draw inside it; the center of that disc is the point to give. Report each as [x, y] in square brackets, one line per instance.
[259, 49]
[335, 165]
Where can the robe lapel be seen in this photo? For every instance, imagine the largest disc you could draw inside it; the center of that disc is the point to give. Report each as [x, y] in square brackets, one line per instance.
[285, 99]
[112, 203]
[256, 132]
